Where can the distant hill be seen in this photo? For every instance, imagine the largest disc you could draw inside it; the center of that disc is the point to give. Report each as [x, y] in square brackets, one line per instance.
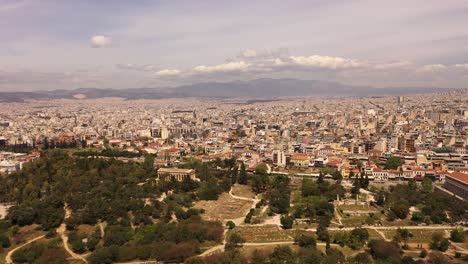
[258, 88]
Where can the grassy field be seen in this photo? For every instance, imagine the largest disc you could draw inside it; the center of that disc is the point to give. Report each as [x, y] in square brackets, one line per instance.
[268, 233]
[373, 234]
[356, 207]
[85, 230]
[24, 234]
[419, 235]
[354, 220]
[224, 208]
[243, 191]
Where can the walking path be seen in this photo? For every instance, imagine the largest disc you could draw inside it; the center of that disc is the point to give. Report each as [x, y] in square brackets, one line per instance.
[237, 222]
[275, 220]
[61, 231]
[10, 253]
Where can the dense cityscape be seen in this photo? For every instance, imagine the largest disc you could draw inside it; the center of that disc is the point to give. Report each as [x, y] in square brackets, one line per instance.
[239, 159]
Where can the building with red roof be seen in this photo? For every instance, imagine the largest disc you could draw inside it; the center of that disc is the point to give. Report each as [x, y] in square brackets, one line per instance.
[457, 183]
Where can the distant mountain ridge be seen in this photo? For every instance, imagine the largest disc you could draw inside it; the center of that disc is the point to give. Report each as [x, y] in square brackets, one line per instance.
[258, 88]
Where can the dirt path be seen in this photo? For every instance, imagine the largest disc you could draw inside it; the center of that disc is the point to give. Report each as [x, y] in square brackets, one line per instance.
[338, 216]
[276, 221]
[382, 235]
[10, 253]
[61, 231]
[102, 227]
[441, 227]
[237, 221]
[240, 220]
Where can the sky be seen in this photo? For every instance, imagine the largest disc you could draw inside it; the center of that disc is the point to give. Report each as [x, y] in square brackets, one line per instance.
[56, 44]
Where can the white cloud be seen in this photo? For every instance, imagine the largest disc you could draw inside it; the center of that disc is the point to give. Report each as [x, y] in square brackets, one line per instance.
[226, 67]
[136, 67]
[326, 62]
[168, 72]
[393, 65]
[462, 66]
[432, 68]
[248, 53]
[100, 41]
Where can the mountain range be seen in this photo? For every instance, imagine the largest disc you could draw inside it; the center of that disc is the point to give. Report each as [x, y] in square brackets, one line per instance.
[258, 88]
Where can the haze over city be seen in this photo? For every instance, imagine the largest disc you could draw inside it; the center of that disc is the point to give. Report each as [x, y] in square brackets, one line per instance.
[133, 44]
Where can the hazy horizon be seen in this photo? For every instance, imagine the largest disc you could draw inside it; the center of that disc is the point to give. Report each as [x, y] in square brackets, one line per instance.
[50, 44]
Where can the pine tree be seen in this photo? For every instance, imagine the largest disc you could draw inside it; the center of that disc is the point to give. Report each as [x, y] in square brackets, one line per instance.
[243, 175]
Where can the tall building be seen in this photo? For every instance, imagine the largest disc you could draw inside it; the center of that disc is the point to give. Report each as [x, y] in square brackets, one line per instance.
[410, 144]
[279, 158]
[164, 133]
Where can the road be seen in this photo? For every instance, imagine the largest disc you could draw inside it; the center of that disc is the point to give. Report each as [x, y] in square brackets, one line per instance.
[10, 253]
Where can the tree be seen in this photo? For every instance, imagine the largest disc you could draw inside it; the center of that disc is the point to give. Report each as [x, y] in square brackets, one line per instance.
[393, 163]
[258, 257]
[28, 254]
[278, 195]
[242, 175]
[148, 165]
[383, 250]
[305, 240]
[457, 235]
[401, 209]
[362, 258]
[336, 175]
[356, 185]
[322, 233]
[234, 174]
[417, 217]
[309, 188]
[439, 242]
[333, 256]
[407, 260]
[4, 241]
[341, 238]
[423, 253]
[235, 240]
[260, 179]
[116, 235]
[231, 225]
[101, 256]
[427, 185]
[286, 222]
[365, 183]
[438, 258]
[402, 235]
[358, 237]
[282, 255]
[209, 190]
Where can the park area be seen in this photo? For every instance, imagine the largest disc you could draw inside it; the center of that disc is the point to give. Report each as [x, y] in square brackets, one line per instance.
[225, 208]
[267, 234]
[244, 191]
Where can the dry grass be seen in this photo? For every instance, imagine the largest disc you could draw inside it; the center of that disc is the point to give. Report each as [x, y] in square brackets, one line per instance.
[419, 235]
[356, 207]
[224, 208]
[85, 230]
[267, 234]
[243, 191]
